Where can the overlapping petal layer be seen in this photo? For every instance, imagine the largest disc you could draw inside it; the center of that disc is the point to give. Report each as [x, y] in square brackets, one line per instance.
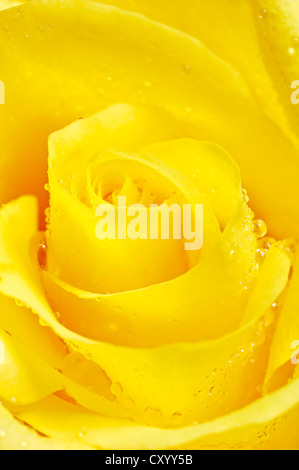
[163, 312]
[141, 62]
[282, 16]
[102, 349]
[170, 385]
[231, 30]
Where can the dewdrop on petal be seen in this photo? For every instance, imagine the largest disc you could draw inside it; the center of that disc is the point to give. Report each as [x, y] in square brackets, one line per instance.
[82, 433]
[260, 228]
[129, 403]
[245, 195]
[24, 444]
[266, 243]
[289, 245]
[116, 389]
[42, 255]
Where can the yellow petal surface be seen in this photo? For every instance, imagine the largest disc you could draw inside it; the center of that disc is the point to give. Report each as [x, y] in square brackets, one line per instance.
[144, 63]
[33, 353]
[162, 260]
[189, 381]
[25, 378]
[280, 16]
[25, 327]
[270, 423]
[118, 360]
[4, 4]
[164, 312]
[16, 436]
[287, 331]
[228, 29]
[264, 292]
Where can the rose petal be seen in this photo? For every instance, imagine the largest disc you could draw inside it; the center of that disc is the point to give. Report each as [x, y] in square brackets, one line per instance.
[193, 381]
[16, 436]
[140, 52]
[272, 17]
[228, 29]
[269, 423]
[24, 377]
[4, 4]
[287, 330]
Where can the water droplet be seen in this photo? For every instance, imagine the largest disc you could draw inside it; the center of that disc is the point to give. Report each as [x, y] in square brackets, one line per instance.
[116, 389]
[260, 335]
[259, 228]
[260, 255]
[24, 444]
[189, 110]
[82, 433]
[266, 243]
[42, 255]
[148, 84]
[263, 14]
[269, 318]
[292, 51]
[2, 433]
[295, 41]
[187, 69]
[289, 247]
[245, 196]
[129, 403]
[48, 215]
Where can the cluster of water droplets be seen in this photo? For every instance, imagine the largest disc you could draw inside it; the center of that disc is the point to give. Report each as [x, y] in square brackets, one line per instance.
[151, 416]
[294, 44]
[294, 40]
[265, 242]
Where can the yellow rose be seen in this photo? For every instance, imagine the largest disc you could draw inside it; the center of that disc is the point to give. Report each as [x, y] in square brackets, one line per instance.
[141, 344]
